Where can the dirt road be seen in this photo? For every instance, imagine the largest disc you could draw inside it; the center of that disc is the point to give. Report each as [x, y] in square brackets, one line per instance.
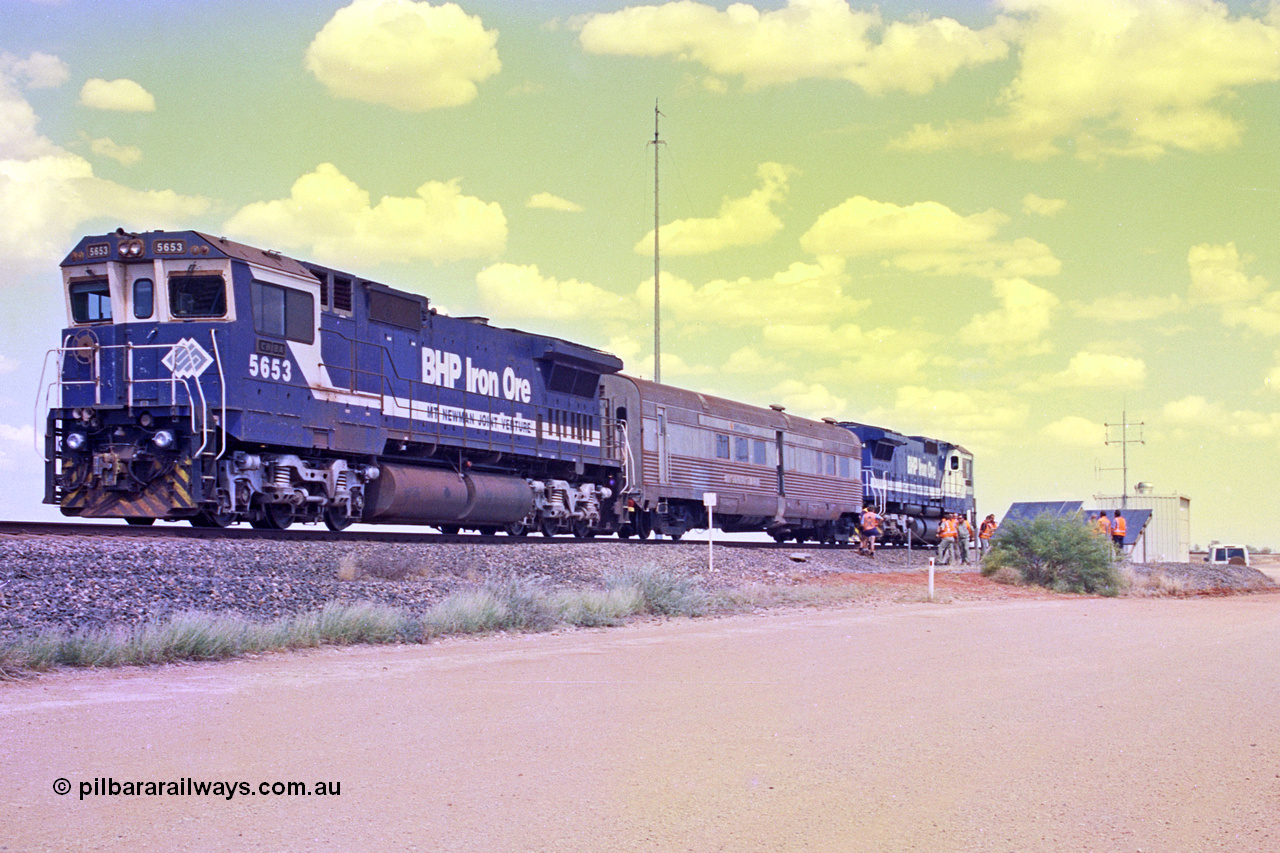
[1023, 725]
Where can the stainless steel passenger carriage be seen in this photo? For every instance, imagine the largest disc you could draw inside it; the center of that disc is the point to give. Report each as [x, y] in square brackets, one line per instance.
[770, 471]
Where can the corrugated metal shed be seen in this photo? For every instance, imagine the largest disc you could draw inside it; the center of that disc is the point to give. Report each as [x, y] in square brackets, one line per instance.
[1168, 537]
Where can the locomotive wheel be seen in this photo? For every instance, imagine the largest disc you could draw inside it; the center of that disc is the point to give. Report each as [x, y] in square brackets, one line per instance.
[140, 522]
[274, 517]
[516, 528]
[582, 530]
[450, 529]
[204, 518]
[335, 519]
[548, 527]
[644, 525]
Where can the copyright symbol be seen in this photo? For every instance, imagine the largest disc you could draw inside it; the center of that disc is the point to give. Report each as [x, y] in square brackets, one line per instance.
[61, 787]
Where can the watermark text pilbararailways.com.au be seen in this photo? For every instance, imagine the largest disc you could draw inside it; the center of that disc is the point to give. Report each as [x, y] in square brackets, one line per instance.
[107, 786]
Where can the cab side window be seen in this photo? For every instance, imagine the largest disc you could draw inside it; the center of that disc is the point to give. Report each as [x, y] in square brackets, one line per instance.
[282, 312]
[144, 298]
[91, 301]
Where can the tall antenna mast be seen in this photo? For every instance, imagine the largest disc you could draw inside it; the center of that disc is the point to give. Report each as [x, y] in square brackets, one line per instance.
[1124, 441]
[657, 312]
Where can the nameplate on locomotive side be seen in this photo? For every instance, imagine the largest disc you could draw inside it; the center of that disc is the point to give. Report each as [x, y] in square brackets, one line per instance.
[276, 348]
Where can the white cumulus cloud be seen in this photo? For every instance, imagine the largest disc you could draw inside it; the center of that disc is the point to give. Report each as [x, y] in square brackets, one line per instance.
[407, 55]
[1100, 370]
[1119, 78]
[333, 219]
[1019, 324]
[805, 39]
[745, 221]
[928, 237]
[548, 201]
[1075, 431]
[124, 96]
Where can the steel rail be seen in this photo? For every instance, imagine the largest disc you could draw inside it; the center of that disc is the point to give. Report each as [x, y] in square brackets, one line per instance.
[182, 531]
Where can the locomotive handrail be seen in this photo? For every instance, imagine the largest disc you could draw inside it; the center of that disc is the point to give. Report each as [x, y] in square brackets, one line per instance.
[222, 384]
[879, 487]
[627, 459]
[46, 388]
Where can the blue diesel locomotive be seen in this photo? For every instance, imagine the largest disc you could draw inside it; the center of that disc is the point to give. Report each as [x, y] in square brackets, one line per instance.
[912, 481]
[207, 380]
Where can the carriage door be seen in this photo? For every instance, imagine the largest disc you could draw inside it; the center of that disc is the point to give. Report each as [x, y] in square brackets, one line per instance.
[782, 491]
[664, 462]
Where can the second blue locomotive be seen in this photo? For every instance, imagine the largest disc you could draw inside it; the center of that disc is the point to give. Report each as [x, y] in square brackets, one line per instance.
[912, 481]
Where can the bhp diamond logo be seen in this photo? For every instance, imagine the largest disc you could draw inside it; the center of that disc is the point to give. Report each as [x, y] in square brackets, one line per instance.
[187, 358]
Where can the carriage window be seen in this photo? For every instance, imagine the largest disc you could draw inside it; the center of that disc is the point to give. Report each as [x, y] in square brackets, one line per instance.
[741, 449]
[197, 296]
[722, 446]
[144, 298]
[844, 467]
[283, 312]
[831, 465]
[91, 301]
[758, 453]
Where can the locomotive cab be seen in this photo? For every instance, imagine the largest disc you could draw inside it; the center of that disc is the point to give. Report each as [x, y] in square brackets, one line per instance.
[138, 409]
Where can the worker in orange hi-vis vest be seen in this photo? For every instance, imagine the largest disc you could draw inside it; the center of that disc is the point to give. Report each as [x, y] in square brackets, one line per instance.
[871, 522]
[1104, 526]
[1117, 532]
[947, 530]
[986, 530]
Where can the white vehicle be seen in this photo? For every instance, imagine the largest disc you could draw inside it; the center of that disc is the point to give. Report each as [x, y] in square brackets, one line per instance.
[1234, 554]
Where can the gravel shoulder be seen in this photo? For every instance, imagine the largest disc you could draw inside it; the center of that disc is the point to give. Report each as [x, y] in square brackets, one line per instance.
[109, 582]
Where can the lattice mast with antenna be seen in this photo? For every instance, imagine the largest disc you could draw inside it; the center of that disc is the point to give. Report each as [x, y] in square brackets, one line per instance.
[657, 312]
[1124, 441]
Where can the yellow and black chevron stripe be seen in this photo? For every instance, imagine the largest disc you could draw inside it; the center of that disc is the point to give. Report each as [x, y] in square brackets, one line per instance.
[160, 499]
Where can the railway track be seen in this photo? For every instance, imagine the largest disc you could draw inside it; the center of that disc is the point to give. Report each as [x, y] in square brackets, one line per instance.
[354, 535]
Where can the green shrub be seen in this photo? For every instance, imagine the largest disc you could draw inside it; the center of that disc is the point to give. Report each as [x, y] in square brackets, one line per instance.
[1054, 552]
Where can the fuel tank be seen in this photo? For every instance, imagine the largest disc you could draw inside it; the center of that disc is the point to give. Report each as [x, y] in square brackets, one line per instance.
[407, 495]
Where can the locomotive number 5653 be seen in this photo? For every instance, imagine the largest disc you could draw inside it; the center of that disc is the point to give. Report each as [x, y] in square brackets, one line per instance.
[266, 367]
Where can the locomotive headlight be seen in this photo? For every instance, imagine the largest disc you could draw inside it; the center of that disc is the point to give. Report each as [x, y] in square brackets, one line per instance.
[163, 439]
[130, 249]
[75, 440]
